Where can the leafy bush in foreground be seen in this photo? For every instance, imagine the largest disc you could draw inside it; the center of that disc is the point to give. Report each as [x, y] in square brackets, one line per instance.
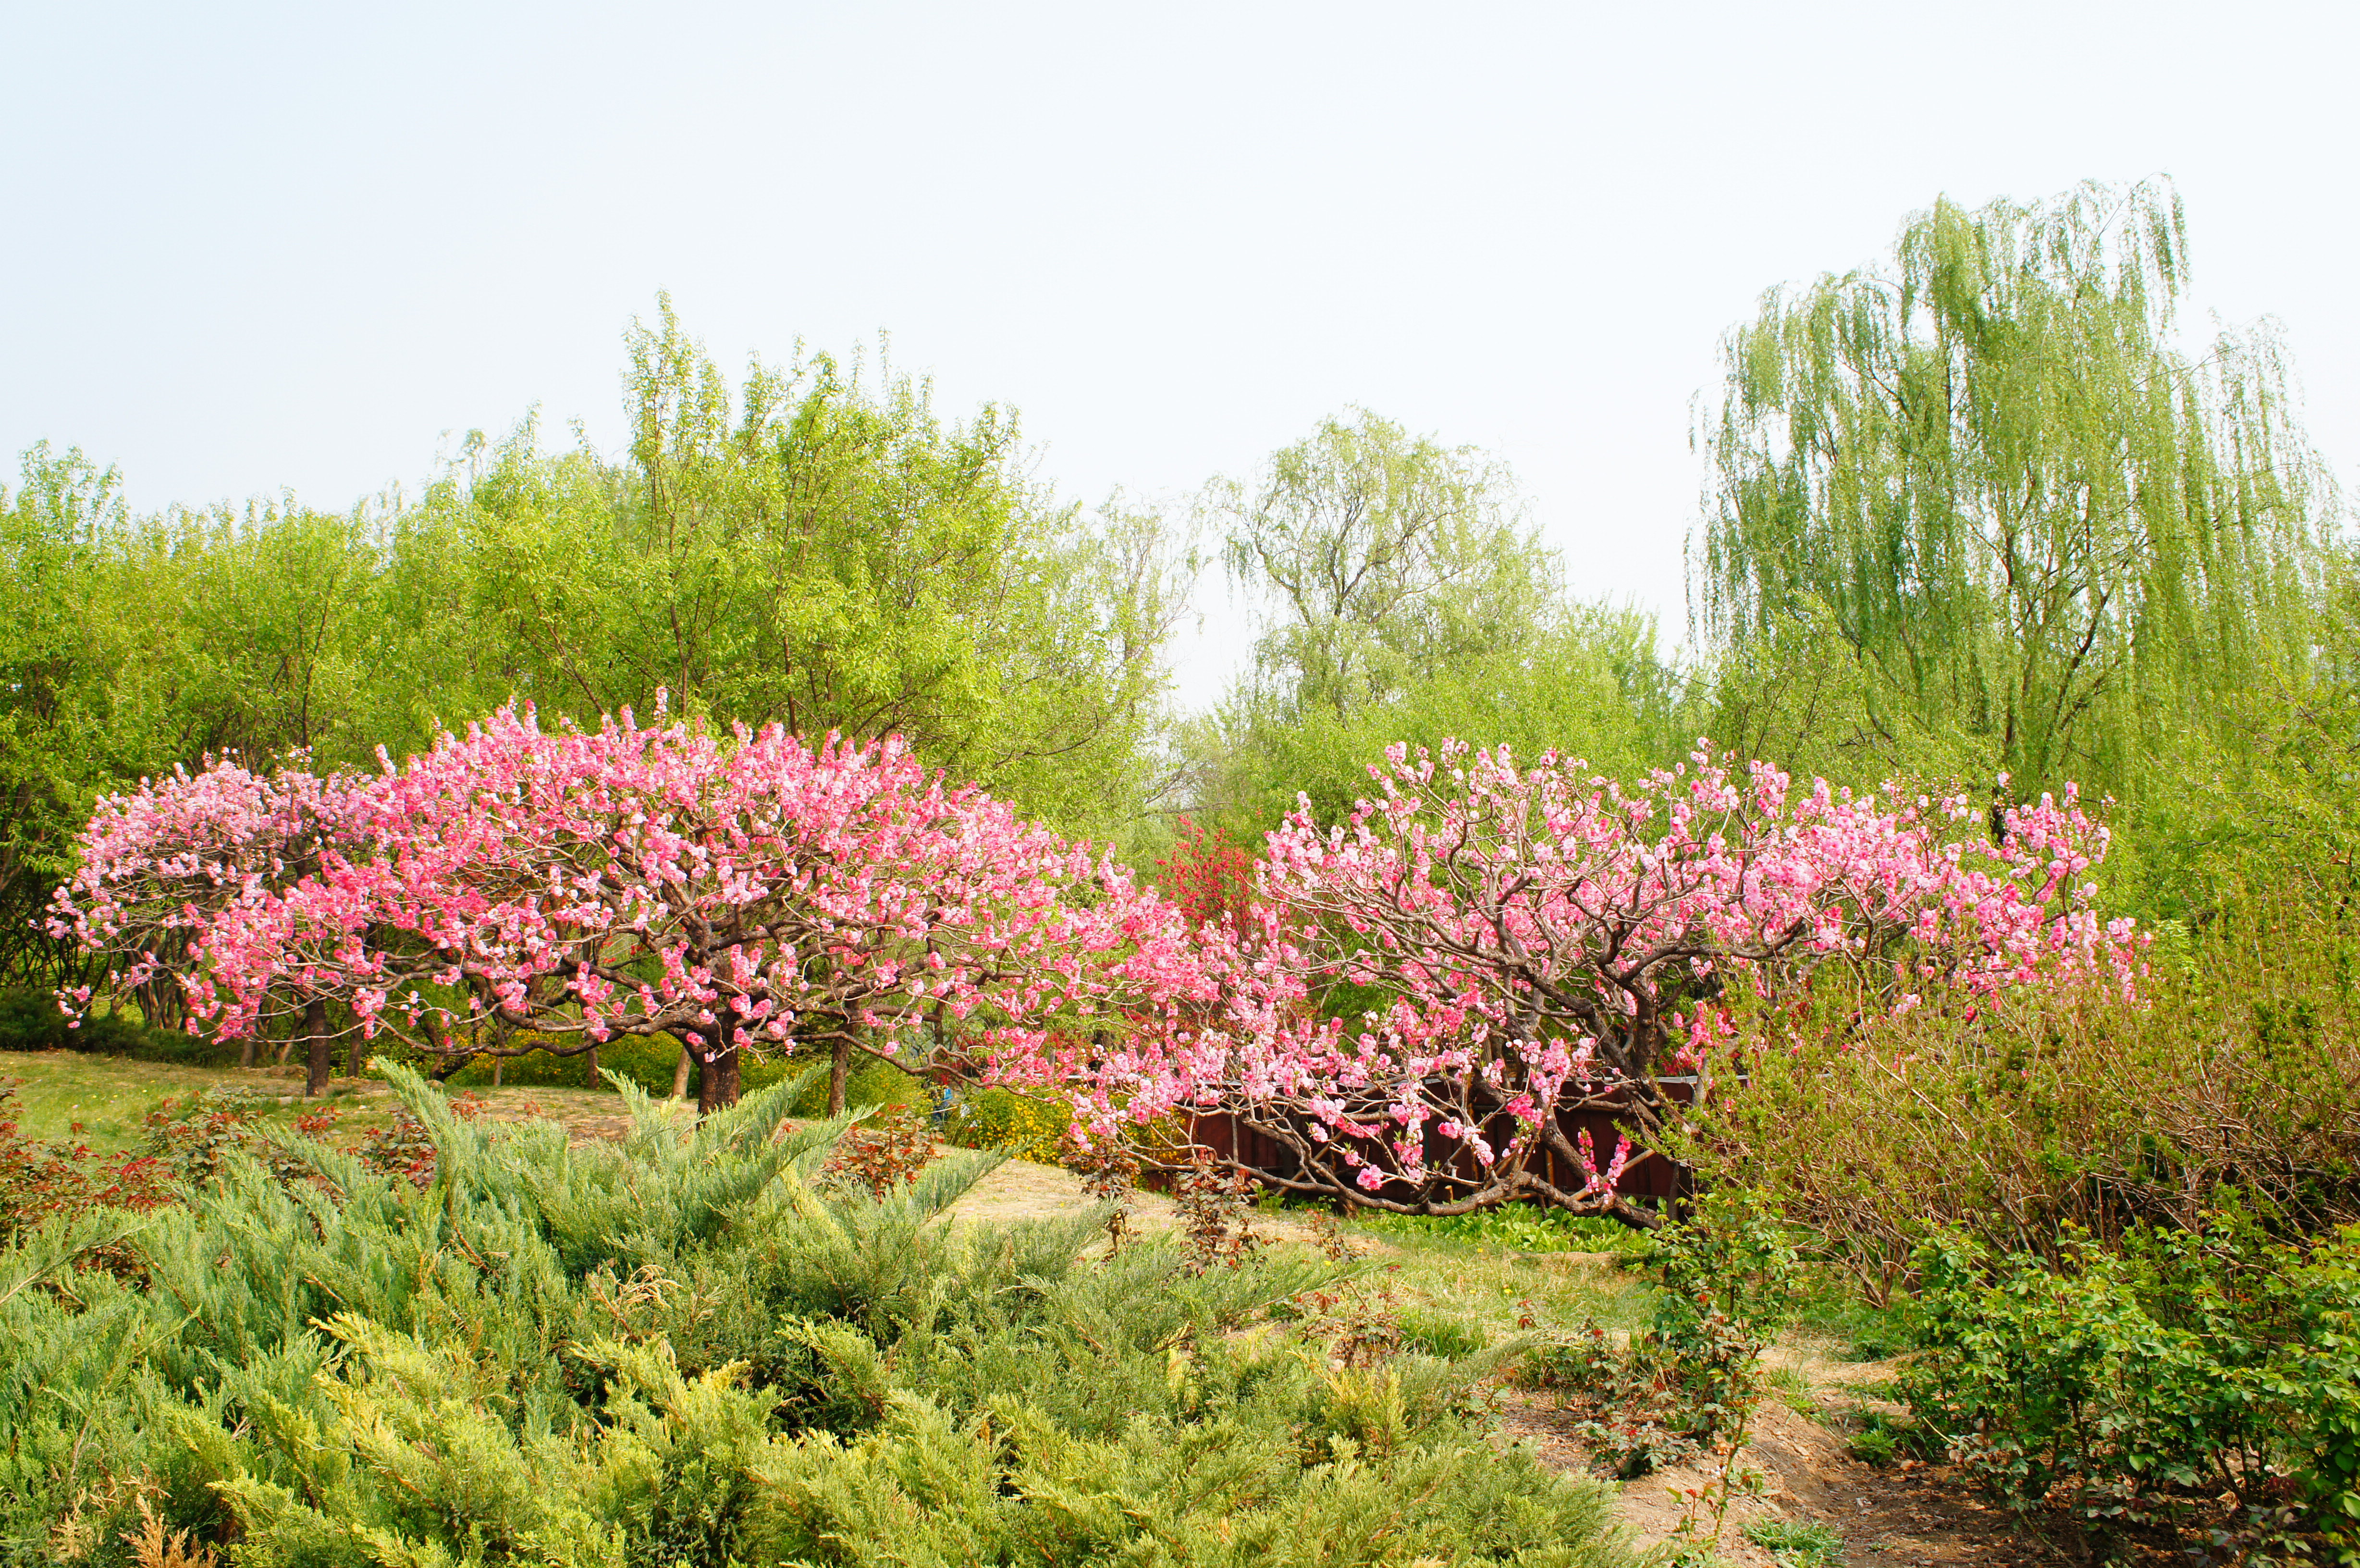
[701, 1349]
[2203, 1381]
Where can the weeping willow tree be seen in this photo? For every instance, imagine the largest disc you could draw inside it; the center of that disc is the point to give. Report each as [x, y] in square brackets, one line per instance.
[1984, 491]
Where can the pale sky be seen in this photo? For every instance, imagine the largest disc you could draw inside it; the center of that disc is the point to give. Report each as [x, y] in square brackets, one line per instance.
[252, 249]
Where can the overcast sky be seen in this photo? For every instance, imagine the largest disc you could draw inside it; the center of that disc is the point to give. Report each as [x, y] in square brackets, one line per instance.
[254, 249]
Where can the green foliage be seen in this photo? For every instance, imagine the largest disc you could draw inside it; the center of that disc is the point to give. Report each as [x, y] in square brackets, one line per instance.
[817, 546]
[1880, 1438]
[1387, 555]
[1798, 1543]
[1403, 599]
[2042, 543]
[1520, 1227]
[2236, 1066]
[2198, 1378]
[690, 1348]
[66, 726]
[649, 1063]
[1019, 1126]
[30, 1019]
[820, 553]
[1729, 1280]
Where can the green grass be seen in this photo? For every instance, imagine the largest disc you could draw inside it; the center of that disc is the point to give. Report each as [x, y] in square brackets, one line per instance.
[109, 1096]
[1520, 1227]
[1447, 1289]
[1798, 1543]
[1852, 1329]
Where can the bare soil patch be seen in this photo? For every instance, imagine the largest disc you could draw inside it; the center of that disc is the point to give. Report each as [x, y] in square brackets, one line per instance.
[1889, 1517]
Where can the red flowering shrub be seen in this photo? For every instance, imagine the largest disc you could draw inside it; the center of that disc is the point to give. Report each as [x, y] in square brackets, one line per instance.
[41, 1179]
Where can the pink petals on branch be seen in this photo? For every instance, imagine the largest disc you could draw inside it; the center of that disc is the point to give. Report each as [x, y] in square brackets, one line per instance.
[746, 889]
[1539, 939]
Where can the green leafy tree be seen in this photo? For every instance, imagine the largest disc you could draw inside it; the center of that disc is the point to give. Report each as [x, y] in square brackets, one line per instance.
[1977, 508]
[1403, 599]
[813, 551]
[1381, 555]
[59, 743]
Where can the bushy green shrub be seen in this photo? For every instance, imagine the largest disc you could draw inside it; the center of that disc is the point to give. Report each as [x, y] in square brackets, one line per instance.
[2013, 1117]
[30, 1019]
[2205, 1379]
[1018, 1126]
[1728, 1280]
[696, 1347]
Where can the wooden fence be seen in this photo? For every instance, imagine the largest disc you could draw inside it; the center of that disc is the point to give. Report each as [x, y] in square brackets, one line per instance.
[1654, 1180]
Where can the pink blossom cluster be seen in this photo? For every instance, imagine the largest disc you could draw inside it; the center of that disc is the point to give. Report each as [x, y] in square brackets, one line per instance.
[1526, 942]
[1417, 1007]
[738, 891]
[163, 864]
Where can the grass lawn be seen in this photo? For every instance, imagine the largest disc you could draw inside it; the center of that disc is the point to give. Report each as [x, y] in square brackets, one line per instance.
[109, 1096]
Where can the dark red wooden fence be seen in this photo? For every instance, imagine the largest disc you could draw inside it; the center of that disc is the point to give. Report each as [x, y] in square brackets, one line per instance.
[1652, 1178]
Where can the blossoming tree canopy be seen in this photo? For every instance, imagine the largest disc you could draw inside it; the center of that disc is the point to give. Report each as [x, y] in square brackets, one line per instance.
[1533, 943]
[162, 864]
[628, 881]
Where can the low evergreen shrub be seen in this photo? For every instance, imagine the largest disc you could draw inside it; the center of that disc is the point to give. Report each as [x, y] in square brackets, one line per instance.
[695, 1349]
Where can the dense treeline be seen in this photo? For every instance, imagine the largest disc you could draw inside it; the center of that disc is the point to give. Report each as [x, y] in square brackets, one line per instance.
[815, 547]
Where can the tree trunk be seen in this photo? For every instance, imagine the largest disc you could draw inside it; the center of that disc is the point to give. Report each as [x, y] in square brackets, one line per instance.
[317, 1068]
[716, 1084]
[592, 1055]
[688, 1062]
[246, 1052]
[839, 1069]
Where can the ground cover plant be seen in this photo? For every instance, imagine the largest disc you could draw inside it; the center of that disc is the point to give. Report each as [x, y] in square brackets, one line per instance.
[704, 1347]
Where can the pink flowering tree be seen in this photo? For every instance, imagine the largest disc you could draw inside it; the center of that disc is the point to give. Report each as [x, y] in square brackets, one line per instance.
[746, 893]
[162, 865]
[1430, 992]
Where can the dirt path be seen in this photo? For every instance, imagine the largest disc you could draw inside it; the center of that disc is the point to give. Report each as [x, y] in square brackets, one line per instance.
[1020, 1189]
[1888, 1516]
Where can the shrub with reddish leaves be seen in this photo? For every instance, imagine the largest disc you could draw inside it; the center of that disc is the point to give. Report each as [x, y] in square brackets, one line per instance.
[404, 1148]
[885, 1152]
[41, 1179]
[1208, 877]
